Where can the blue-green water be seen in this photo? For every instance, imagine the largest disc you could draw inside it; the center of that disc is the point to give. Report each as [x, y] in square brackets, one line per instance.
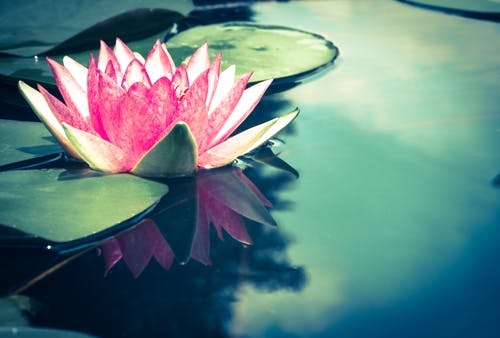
[392, 228]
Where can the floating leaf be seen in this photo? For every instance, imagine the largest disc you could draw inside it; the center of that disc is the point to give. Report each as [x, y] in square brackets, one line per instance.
[39, 202]
[283, 53]
[22, 142]
[478, 9]
[59, 31]
[132, 25]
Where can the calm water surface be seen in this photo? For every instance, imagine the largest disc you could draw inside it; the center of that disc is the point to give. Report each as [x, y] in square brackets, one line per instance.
[392, 228]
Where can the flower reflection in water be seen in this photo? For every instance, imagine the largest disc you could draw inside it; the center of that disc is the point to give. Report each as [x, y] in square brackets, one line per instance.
[180, 226]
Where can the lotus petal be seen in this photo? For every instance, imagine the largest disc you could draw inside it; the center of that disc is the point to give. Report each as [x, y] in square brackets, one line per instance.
[98, 153]
[159, 63]
[123, 54]
[78, 71]
[244, 107]
[73, 94]
[198, 62]
[223, 111]
[37, 102]
[135, 73]
[227, 151]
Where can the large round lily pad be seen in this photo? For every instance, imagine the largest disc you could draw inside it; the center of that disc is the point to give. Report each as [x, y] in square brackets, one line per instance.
[25, 141]
[283, 53]
[59, 207]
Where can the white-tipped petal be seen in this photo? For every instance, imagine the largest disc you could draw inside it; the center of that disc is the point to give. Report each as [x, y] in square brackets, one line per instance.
[78, 71]
[226, 80]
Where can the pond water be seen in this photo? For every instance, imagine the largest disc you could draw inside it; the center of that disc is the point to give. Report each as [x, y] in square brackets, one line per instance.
[391, 228]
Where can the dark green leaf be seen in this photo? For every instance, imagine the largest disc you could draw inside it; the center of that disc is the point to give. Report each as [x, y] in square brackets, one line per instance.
[39, 202]
[25, 141]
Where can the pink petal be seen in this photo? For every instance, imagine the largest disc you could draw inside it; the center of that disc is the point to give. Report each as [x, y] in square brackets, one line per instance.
[224, 110]
[78, 71]
[245, 106]
[39, 105]
[135, 124]
[224, 85]
[227, 151]
[63, 113]
[164, 101]
[213, 78]
[73, 94]
[135, 73]
[192, 109]
[112, 254]
[198, 63]
[123, 54]
[159, 63]
[180, 81]
[106, 55]
[110, 71]
[94, 98]
[98, 153]
[109, 97]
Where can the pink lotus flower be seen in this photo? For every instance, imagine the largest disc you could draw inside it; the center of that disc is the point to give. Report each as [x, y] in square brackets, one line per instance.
[146, 116]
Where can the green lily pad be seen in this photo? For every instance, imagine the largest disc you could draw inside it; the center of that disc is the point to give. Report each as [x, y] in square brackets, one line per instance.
[47, 204]
[21, 142]
[139, 28]
[34, 27]
[283, 53]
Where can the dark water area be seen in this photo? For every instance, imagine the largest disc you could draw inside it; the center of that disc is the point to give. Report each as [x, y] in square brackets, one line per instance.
[387, 226]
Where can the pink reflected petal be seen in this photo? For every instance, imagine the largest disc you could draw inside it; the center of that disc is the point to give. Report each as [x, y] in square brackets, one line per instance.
[137, 247]
[112, 254]
[223, 217]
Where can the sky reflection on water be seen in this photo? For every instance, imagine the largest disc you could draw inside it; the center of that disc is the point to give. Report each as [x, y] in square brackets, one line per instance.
[397, 147]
